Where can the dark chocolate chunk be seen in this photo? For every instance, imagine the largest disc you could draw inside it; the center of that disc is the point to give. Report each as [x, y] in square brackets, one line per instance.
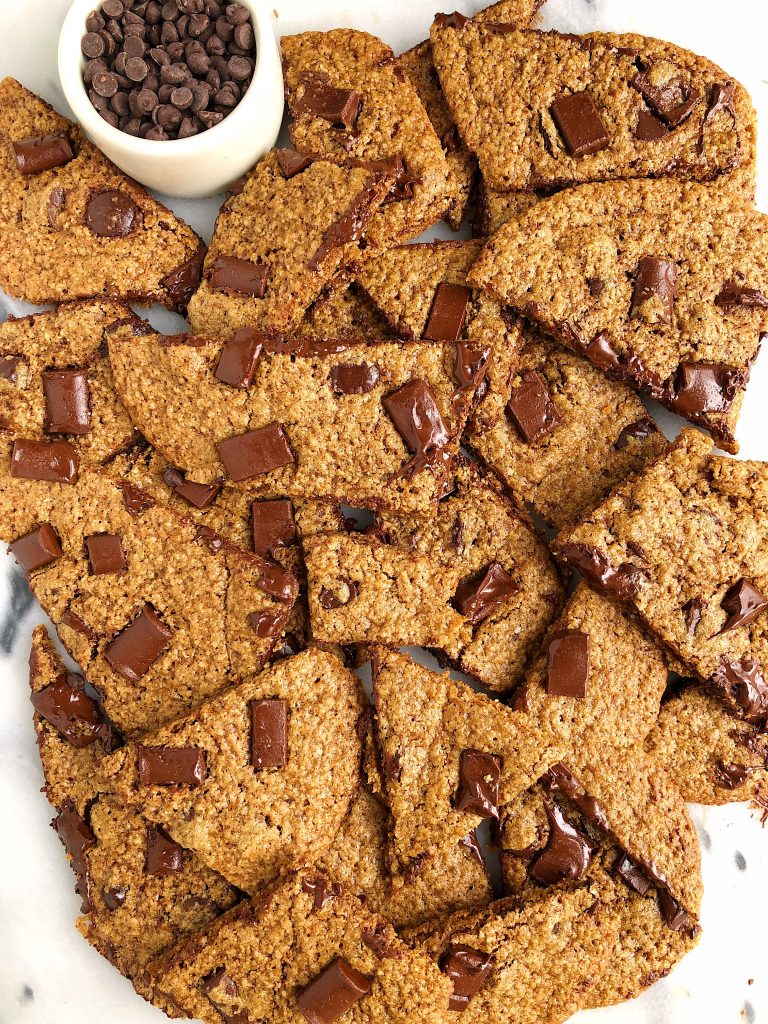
[479, 775]
[332, 993]
[743, 687]
[272, 526]
[111, 214]
[640, 429]
[479, 596]
[67, 401]
[345, 593]
[8, 367]
[566, 855]
[349, 227]
[220, 982]
[269, 733]
[290, 644]
[379, 939]
[42, 152]
[733, 294]
[620, 583]
[743, 602]
[414, 412]
[322, 99]
[278, 582]
[674, 916]
[353, 378]
[601, 353]
[55, 461]
[568, 664]
[692, 610]
[66, 706]
[632, 874]
[471, 364]
[672, 100]
[137, 647]
[182, 283]
[171, 766]
[79, 626]
[239, 358]
[136, 501]
[730, 776]
[454, 20]
[448, 312]
[75, 834]
[721, 98]
[579, 123]
[198, 495]
[470, 843]
[468, 969]
[654, 291]
[258, 451]
[560, 779]
[321, 890]
[164, 856]
[115, 897]
[292, 162]
[266, 624]
[37, 548]
[105, 553]
[229, 274]
[649, 128]
[704, 387]
[402, 182]
[531, 407]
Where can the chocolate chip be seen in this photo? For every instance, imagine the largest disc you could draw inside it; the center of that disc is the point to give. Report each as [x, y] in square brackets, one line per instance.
[182, 282]
[579, 123]
[649, 128]
[704, 387]
[256, 452]
[237, 14]
[321, 890]
[479, 775]
[416, 416]
[66, 706]
[566, 855]
[321, 99]
[353, 378]
[332, 993]
[272, 526]
[743, 602]
[733, 294]
[115, 897]
[67, 401]
[479, 596]
[93, 45]
[448, 312]
[639, 430]
[269, 733]
[654, 290]
[36, 549]
[468, 969]
[229, 274]
[105, 553]
[666, 93]
[239, 358]
[138, 646]
[42, 152]
[345, 593]
[200, 496]
[164, 856]
[531, 407]
[104, 84]
[54, 461]
[8, 367]
[633, 875]
[111, 214]
[568, 664]
[171, 766]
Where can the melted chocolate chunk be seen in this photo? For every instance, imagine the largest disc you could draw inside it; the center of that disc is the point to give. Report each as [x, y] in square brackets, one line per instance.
[468, 969]
[743, 687]
[291, 162]
[672, 99]
[675, 917]
[198, 495]
[266, 624]
[733, 294]
[332, 993]
[353, 379]
[566, 855]
[560, 779]
[705, 387]
[136, 501]
[8, 367]
[479, 596]
[137, 647]
[379, 939]
[66, 706]
[470, 843]
[730, 776]
[36, 549]
[579, 123]
[402, 182]
[272, 526]
[743, 602]
[416, 416]
[531, 407]
[321, 890]
[640, 429]
[105, 553]
[568, 664]
[653, 295]
[164, 856]
[341, 107]
[649, 128]
[269, 733]
[78, 839]
[632, 874]
[349, 227]
[115, 897]
[182, 283]
[76, 623]
[345, 593]
[594, 565]
[721, 98]
[601, 353]
[239, 358]
[42, 152]
[67, 401]
[692, 611]
[479, 775]
[171, 766]
[229, 274]
[290, 644]
[278, 582]
[454, 20]
[55, 461]
[111, 214]
[448, 312]
[256, 452]
[471, 365]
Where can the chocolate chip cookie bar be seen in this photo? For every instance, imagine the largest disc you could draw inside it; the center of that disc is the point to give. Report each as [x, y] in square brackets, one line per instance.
[374, 425]
[422, 291]
[568, 433]
[350, 99]
[304, 950]
[662, 284]
[74, 226]
[594, 107]
[159, 613]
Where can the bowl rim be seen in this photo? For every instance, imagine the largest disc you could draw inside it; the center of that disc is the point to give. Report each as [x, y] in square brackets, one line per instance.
[71, 62]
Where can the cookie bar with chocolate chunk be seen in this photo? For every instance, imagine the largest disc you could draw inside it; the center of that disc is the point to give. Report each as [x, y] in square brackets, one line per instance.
[594, 108]
[374, 424]
[569, 434]
[304, 950]
[73, 226]
[161, 614]
[350, 99]
[661, 284]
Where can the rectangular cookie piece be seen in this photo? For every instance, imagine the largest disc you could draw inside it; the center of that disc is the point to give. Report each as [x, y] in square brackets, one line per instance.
[159, 613]
[371, 424]
[568, 433]
[609, 270]
[685, 545]
[73, 226]
[597, 107]
[422, 291]
[280, 241]
[303, 950]
[351, 100]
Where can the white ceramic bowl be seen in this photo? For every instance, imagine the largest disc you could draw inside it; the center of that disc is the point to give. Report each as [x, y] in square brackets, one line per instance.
[203, 164]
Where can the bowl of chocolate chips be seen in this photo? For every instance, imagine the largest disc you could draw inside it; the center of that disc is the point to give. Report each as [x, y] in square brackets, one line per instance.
[183, 95]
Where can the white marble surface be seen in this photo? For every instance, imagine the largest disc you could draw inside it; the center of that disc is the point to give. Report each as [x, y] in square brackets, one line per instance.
[48, 974]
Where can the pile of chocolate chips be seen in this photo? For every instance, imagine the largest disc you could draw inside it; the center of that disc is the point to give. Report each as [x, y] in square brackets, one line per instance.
[167, 70]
